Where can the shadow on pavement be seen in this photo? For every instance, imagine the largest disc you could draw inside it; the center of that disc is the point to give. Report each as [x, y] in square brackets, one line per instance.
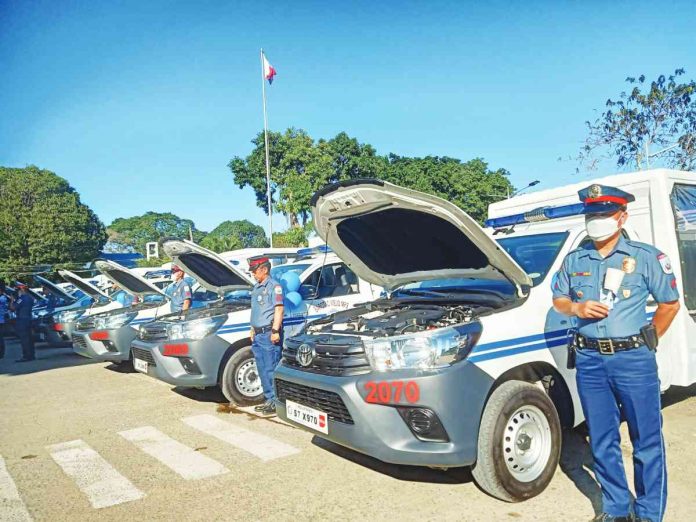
[47, 358]
[212, 394]
[676, 394]
[577, 463]
[409, 473]
[124, 367]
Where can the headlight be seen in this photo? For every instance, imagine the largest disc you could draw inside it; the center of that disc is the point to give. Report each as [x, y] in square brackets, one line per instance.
[113, 321]
[195, 329]
[68, 316]
[424, 350]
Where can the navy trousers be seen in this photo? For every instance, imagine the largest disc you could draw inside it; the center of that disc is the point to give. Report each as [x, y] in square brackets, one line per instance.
[267, 357]
[23, 330]
[625, 384]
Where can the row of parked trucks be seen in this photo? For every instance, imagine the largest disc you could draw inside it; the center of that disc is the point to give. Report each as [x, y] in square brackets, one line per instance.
[423, 338]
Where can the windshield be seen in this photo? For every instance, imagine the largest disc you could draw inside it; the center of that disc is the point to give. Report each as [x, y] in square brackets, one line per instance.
[278, 271]
[535, 253]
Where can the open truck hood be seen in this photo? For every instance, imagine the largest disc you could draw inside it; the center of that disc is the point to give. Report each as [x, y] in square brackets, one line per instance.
[391, 236]
[211, 271]
[87, 287]
[55, 289]
[127, 279]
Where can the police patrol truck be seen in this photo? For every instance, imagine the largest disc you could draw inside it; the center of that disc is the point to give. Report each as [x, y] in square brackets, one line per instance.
[211, 346]
[464, 362]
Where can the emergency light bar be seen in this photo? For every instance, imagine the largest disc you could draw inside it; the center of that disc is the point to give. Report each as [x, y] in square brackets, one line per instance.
[321, 249]
[546, 213]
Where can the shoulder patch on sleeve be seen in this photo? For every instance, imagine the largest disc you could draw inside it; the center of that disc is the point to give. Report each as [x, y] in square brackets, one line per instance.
[665, 263]
[278, 289]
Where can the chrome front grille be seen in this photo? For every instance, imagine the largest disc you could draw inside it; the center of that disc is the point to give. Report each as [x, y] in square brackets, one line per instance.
[331, 355]
[152, 331]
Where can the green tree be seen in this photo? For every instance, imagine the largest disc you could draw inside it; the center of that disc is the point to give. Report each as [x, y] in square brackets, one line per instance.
[231, 235]
[471, 185]
[643, 129]
[299, 167]
[43, 221]
[136, 231]
[293, 237]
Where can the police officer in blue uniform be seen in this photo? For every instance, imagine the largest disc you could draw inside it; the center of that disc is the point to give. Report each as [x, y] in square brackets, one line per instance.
[121, 296]
[51, 300]
[605, 287]
[4, 315]
[266, 327]
[179, 291]
[22, 308]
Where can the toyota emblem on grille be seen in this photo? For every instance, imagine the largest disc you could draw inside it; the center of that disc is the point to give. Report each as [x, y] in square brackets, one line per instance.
[305, 354]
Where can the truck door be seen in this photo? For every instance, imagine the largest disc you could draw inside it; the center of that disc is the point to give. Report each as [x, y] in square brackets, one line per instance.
[331, 288]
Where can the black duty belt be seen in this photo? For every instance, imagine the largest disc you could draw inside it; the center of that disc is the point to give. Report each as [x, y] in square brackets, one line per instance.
[609, 346]
[262, 330]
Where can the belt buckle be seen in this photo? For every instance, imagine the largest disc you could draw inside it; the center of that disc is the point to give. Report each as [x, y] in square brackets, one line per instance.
[606, 346]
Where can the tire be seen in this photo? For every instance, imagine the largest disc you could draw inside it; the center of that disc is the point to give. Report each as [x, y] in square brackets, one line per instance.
[239, 380]
[519, 442]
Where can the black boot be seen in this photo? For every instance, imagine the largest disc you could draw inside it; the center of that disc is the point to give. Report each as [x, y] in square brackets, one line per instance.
[261, 407]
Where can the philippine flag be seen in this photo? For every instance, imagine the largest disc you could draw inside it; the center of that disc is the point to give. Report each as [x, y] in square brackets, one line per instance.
[268, 70]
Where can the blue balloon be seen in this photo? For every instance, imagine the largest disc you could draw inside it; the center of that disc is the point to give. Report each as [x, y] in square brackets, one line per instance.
[291, 281]
[293, 299]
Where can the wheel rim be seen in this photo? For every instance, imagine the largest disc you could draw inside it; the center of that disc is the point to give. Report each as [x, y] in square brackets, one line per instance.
[527, 443]
[247, 379]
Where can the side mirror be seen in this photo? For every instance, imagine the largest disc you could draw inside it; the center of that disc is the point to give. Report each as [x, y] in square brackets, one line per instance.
[308, 292]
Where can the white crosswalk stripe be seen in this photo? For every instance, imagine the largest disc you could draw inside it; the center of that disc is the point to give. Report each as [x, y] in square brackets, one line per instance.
[12, 507]
[188, 463]
[257, 444]
[96, 478]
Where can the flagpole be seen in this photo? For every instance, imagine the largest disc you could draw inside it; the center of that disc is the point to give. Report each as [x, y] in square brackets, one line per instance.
[268, 162]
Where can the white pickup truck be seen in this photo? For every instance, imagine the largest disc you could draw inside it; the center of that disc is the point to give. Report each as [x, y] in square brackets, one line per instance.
[211, 346]
[464, 362]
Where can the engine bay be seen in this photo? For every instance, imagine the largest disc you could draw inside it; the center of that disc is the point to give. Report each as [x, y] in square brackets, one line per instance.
[386, 321]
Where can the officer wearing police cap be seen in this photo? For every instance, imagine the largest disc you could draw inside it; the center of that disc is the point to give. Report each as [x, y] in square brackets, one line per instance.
[605, 286]
[266, 327]
[179, 291]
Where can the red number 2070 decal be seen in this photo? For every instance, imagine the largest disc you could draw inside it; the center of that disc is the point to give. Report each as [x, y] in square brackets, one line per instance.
[392, 392]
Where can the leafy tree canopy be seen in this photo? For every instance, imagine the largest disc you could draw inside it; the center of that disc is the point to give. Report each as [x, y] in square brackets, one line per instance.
[43, 221]
[136, 231]
[301, 165]
[231, 235]
[654, 124]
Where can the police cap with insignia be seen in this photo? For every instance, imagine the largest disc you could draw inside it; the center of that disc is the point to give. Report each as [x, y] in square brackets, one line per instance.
[601, 199]
[257, 262]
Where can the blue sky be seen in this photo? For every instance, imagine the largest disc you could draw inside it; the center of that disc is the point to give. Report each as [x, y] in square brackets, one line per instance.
[141, 104]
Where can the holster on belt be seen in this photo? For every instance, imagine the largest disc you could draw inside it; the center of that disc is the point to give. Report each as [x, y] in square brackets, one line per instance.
[572, 345]
[649, 333]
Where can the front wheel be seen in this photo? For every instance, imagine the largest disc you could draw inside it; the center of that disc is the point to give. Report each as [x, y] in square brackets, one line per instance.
[519, 442]
[240, 381]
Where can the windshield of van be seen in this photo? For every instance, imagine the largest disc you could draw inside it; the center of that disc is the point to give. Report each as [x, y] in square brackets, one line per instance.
[535, 253]
[278, 271]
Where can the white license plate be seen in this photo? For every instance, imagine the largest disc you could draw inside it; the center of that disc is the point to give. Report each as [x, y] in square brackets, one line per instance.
[301, 414]
[140, 365]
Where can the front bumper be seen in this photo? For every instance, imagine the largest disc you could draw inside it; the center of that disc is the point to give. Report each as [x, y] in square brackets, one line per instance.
[113, 345]
[202, 360]
[56, 334]
[457, 395]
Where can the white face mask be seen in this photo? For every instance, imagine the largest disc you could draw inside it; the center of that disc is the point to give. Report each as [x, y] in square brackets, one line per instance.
[600, 228]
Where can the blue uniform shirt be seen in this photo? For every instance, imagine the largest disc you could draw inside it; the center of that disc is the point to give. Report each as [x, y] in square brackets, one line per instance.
[23, 306]
[123, 298]
[51, 302]
[264, 298]
[178, 293]
[4, 307]
[647, 271]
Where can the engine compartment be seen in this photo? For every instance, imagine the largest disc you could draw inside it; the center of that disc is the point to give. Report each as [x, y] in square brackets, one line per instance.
[386, 321]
